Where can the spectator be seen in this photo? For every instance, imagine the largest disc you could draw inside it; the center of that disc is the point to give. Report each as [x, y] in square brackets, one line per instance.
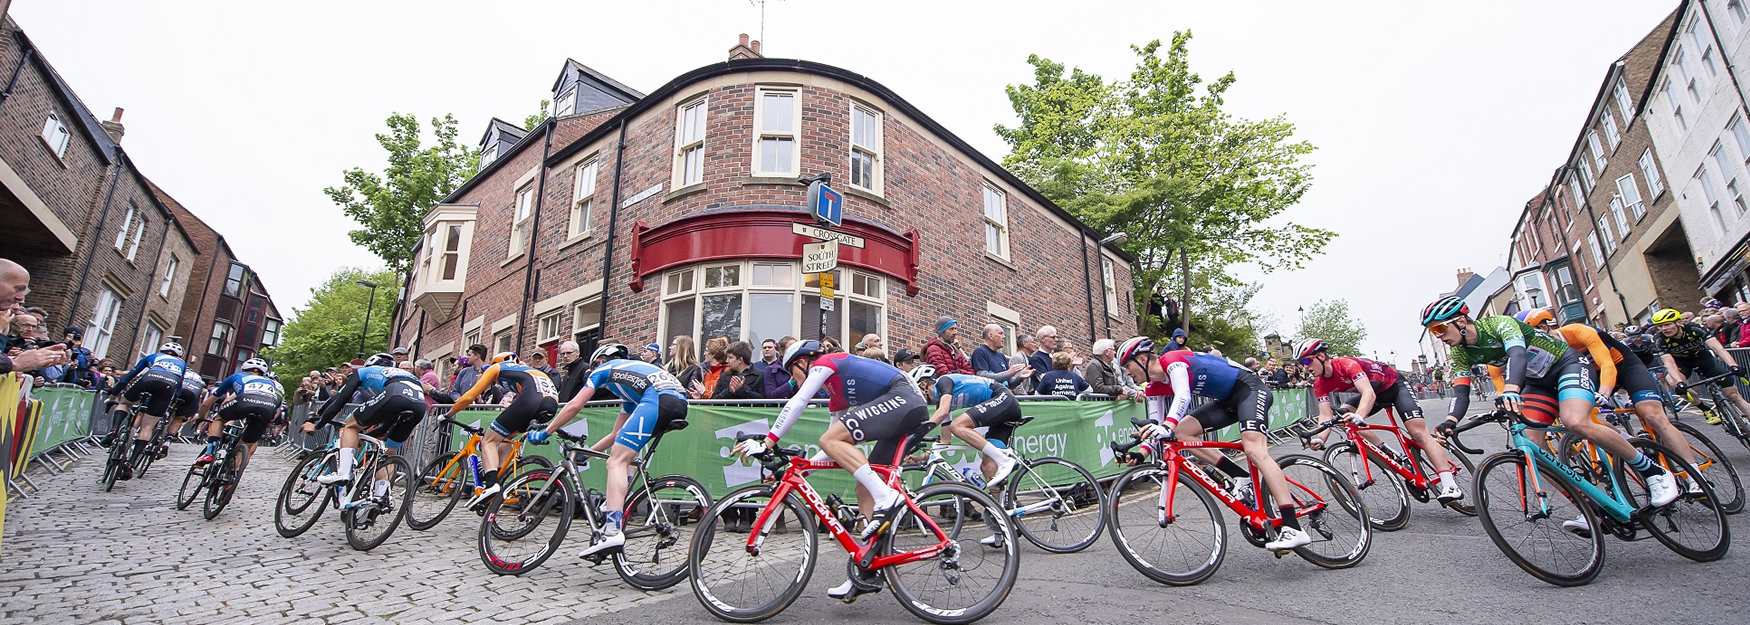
[988, 359]
[905, 360]
[868, 341]
[1274, 374]
[1253, 365]
[830, 344]
[1060, 380]
[14, 283]
[1732, 326]
[1178, 341]
[652, 353]
[943, 352]
[1040, 358]
[684, 364]
[774, 381]
[472, 365]
[1715, 324]
[1102, 376]
[716, 362]
[538, 362]
[1024, 348]
[740, 380]
[428, 378]
[572, 370]
[874, 352]
[1743, 324]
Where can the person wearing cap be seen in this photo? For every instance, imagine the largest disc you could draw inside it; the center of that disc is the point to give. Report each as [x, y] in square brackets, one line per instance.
[905, 360]
[943, 352]
[652, 354]
[538, 362]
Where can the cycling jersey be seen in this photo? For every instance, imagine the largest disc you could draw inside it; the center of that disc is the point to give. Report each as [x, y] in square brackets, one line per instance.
[377, 380]
[1646, 348]
[1342, 372]
[250, 388]
[1498, 336]
[1606, 351]
[631, 380]
[1190, 374]
[873, 400]
[855, 380]
[188, 397]
[160, 366]
[966, 390]
[1689, 343]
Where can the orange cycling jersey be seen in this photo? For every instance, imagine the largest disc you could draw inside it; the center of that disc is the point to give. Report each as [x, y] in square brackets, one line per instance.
[521, 378]
[1604, 349]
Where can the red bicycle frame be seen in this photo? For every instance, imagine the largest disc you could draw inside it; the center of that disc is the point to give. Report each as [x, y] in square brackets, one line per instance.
[1353, 428]
[1260, 519]
[795, 481]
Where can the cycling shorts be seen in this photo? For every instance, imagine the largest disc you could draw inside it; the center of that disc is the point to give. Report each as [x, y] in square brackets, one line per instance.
[161, 390]
[999, 413]
[652, 414]
[393, 413]
[525, 409]
[1703, 365]
[257, 414]
[1248, 405]
[1571, 376]
[188, 403]
[1397, 396]
[888, 420]
[1633, 376]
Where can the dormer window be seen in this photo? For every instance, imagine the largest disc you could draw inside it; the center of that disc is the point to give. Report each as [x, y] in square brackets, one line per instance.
[566, 104]
[487, 155]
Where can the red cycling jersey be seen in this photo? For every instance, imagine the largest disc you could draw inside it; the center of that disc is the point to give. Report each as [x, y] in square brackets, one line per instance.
[1343, 372]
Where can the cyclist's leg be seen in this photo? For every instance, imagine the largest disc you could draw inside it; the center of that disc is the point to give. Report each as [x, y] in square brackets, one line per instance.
[252, 431]
[1572, 377]
[1643, 389]
[901, 410]
[995, 414]
[1213, 416]
[369, 415]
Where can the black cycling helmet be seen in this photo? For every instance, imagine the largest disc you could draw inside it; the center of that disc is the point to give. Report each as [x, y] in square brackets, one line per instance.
[802, 348]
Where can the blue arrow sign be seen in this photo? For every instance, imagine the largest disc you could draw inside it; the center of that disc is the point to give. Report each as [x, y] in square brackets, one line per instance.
[828, 205]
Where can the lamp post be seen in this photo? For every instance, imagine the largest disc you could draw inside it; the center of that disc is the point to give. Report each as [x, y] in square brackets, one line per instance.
[370, 304]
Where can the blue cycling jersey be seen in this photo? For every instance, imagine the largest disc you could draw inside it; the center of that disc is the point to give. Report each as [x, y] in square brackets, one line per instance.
[160, 365]
[249, 385]
[630, 380]
[373, 378]
[967, 390]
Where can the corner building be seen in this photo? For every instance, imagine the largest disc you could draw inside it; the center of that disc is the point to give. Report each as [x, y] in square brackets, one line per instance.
[640, 217]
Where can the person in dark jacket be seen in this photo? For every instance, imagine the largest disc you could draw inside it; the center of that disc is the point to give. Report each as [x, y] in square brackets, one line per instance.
[1040, 360]
[1060, 380]
[1178, 342]
[774, 382]
[574, 370]
[1102, 375]
[740, 380]
[988, 360]
[943, 352]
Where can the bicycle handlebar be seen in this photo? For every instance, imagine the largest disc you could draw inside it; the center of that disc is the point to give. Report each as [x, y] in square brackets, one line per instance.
[1497, 416]
[775, 458]
[471, 429]
[1684, 387]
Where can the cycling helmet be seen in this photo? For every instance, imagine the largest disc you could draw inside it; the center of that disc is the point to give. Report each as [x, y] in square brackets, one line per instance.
[1133, 346]
[254, 364]
[1667, 315]
[1443, 310]
[1309, 347]
[171, 347]
[380, 360]
[610, 351]
[921, 373]
[1538, 316]
[801, 348]
[503, 356]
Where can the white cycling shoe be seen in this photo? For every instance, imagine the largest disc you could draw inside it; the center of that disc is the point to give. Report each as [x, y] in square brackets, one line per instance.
[1449, 494]
[486, 494]
[330, 479]
[993, 541]
[1289, 538]
[1662, 489]
[1578, 526]
[610, 542]
[1004, 468]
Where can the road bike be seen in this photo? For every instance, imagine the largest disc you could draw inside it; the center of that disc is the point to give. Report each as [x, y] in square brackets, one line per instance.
[1732, 420]
[369, 519]
[218, 479]
[1175, 535]
[932, 564]
[1550, 518]
[451, 478]
[121, 440]
[657, 514]
[1715, 467]
[1399, 477]
[1056, 504]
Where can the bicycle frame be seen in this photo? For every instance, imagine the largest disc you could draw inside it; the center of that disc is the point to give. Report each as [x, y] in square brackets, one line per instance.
[1613, 503]
[1176, 462]
[795, 481]
[937, 464]
[1415, 473]
[470, 449]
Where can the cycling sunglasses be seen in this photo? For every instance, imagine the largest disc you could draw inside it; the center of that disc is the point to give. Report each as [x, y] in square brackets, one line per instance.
[1306, 362]
[1437, 328]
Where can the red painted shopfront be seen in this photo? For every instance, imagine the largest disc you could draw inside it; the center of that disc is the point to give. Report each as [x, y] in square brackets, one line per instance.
[752, 234]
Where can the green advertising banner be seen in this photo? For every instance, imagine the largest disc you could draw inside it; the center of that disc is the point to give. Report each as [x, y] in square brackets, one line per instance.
[66, 416]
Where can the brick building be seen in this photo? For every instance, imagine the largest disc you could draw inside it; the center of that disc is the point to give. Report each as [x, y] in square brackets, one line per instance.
[227, 316]
[641, 217]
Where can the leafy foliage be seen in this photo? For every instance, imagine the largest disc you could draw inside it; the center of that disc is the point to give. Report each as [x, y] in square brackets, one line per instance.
[390, 206]
[326, 332]
[534, 119]
[1331, 321]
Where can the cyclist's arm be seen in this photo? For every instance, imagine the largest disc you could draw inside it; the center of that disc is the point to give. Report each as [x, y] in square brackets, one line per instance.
[1720, 350]
[1179, 376]
[1364, 406]
[487, 379]
[341, 396]
[1588, 339]
[145, 361]
[817, 377]
[1671, 365]
[944, 390]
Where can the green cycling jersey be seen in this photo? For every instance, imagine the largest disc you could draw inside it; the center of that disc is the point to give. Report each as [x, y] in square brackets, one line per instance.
[1494, 336]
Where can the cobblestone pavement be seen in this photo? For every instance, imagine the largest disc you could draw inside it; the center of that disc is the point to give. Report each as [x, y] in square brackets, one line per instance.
[74, 554]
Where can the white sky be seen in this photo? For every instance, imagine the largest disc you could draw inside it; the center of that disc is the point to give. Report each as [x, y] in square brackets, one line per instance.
[1434, 121]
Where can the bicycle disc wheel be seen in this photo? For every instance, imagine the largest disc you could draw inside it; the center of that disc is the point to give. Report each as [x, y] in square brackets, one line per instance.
[1388, 499]
[966, 581]
[1180, 551]
[436, 491]
[1716, 468]
[1528, 528]
[742, 587]
[301, 499]
[373, 522]
[1341, 534]
[658, 527]
[1056, 504]
[1694, 526]
[219, 491]
[192, 484]
[509, 543]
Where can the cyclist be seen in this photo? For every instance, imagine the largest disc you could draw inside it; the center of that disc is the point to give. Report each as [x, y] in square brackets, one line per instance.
[1618, 366]
[397, 391]
[252, 396]
[187, 404]
[1379, 385]
[870, 401]
[1238, 396]
[1689, 349]
[159, 375]
[1539, 318]
[985, 403]
[650, 396]
[1531, 358]
[536, 399]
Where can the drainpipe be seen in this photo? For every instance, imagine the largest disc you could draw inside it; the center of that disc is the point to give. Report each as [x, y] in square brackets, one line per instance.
[91, 237]
[1620, 300]
[152, 280]
[522, 312]
[1088, 289]
[613, 227]
[29, 51]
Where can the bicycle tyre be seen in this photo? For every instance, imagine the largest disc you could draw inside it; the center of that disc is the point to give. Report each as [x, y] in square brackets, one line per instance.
[1390, 511]
[1082, 483]
[284, 505]
[1348, 503]
[561, 495]
[1515, 461]
[1724, 477]
[219, 494]
[1732, 421]
[1660, 522]
[185, 496]
[699, 551]
[665, 520]
[432, 480]
[400, 472]
[1151, 477]
[1005, 582]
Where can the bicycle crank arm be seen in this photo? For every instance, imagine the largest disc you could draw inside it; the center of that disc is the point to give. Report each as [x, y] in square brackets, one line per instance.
[1032, 508]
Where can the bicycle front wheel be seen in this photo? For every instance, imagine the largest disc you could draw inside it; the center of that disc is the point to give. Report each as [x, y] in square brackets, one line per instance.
[436, 491]
[1179, 550]
[535, 500]
[1388, 500]
[220, 489]
[301, 499]
[1716, 468]
[1538, 521]
[1340, 531]
[740, 583]
[1694, 526]
[964, 582]
[192, 484]
[658, 528]
[1056, 504]
[383, 490]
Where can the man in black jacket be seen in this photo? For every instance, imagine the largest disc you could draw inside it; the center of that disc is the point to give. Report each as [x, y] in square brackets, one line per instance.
[574, 371]
[742, 380]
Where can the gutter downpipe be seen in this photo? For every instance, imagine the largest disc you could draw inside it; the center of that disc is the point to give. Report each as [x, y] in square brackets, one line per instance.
[96, 229]
[613, 227]
[1088, 288]
[522, 313]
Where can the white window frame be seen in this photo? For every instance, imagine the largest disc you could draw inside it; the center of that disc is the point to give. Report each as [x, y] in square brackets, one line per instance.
[1728, 172]
[689, 150]
[276, 326]
[1650, 170]
[169, 275]
[566, 103]
[1597, 149]
[1612, 136]
[522, 216]
[1631, 195]
[582, 198]
[761, 133]
[452, 236]
[1620, 216]
[150, 338]
[871, 152]
[845, 288]
[1706, 182]
[242, 275]
[993, 198]
[1586, 175]
[1606, 236]
[1109, 281]
[488, 154]
[56, 136]
[547, 327]
[1624, 104]
[121, 236]
[577, 326]
[1740, 134]
[1703, 43]
[101, 330]
[1735, 8]
[139, 233]
[221, 339]
[504, 340]
[471, 338]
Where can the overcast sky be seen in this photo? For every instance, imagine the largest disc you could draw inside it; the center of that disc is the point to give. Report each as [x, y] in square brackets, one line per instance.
[1434, 121]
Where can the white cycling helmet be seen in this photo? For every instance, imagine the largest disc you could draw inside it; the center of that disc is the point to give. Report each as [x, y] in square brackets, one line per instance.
[380, 360]
[610, 351]
[921, 373]
[254, 364]
[171, 347]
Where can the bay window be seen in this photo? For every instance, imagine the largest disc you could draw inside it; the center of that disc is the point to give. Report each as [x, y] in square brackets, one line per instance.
[758, 300]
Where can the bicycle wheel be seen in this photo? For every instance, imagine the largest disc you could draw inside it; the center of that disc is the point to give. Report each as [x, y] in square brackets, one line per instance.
[742, 585]
[1527, 525]
[219, 490]
[1732, 421]
[1716, 468]
[1694, 526]
[141, 461]
[1388, 499]
[533, 500]
[1341, 535]
[658, 527]
[964, 582]
[373, 522]
[1056, 504]
[301, 499]
[436, 491]
[1179, 551]
[192, 484]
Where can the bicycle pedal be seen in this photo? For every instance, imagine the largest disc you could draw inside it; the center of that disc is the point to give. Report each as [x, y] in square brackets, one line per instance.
[1279, 553]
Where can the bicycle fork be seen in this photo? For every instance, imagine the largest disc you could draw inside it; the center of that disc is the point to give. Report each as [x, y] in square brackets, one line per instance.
[1530, 467]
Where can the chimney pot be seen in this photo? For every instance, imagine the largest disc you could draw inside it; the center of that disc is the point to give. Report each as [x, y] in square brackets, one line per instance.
[117, 117]
[743, 40]
[756, 46]
[113, 127]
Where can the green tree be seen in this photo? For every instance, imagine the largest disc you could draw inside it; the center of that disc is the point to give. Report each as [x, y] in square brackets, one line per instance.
[1155, 156]
[534, 119]
[390, 206]
[1229, 324]
[326, 332]
[1331, 322]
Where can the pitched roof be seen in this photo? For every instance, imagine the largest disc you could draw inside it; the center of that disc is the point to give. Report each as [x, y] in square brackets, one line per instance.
[515, 132]
[605, 80]
[93, 130]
